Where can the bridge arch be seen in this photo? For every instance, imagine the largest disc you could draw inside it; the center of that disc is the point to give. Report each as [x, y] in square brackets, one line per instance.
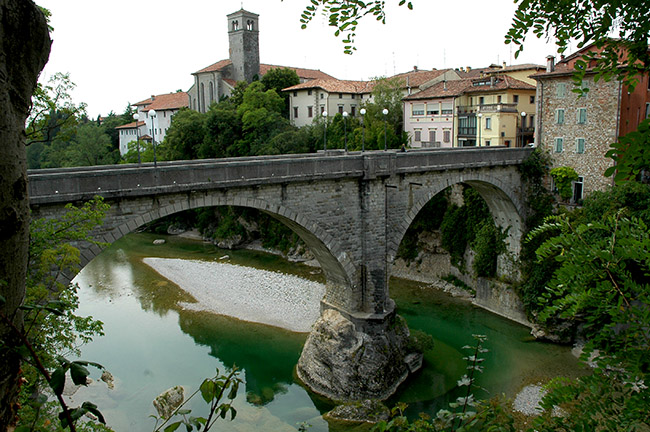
[335, 262]
[499, 193]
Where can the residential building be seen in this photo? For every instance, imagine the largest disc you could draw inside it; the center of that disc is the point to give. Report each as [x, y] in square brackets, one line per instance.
[219, 79]
[312, 98]
[577, 130]
[496, 110]
[429, 114]
[152, 127]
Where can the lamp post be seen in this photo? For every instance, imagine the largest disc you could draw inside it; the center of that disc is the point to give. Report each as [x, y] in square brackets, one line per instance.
[363, 129]
[385, 113]
[136, 117]
[152, 115]
[345, 129]
[479, 115]
[523, 124]
[325, 131]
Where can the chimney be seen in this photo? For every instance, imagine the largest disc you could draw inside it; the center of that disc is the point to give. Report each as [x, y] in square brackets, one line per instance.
[492, 81]
[550, 63]
[153, 97]
[504, 65]
[468, 68]
[444, 84]
[415, 68]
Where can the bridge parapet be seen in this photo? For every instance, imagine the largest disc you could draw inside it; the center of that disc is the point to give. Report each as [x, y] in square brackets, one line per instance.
[78, 184]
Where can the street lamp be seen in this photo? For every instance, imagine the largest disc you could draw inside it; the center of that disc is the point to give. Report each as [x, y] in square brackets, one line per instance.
[136, 117]
[152, 115]
[345, 129]
[523, 124]
[363, 129]
[479, 115]
[325, 131]
[385, 113]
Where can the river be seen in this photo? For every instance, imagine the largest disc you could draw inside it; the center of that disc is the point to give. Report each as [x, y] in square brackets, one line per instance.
[152, 343]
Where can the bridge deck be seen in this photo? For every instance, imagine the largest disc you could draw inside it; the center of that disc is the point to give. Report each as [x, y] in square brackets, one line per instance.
[82, 183]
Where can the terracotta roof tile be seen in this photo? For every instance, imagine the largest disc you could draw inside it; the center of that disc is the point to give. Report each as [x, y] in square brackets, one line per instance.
[166, 101]
[303, 73]
[335, 86]
[502, 82]
[130, 125]
[442, 89]
[416, 78]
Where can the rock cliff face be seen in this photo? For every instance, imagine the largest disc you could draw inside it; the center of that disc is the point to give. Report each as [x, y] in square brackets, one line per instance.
[342, 361]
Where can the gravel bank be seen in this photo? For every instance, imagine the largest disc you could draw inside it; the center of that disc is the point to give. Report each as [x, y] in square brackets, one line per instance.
[528, 400]
[248, 294]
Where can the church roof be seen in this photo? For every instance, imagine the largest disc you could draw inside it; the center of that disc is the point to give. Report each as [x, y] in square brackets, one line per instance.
[302, 73]
[167, 101]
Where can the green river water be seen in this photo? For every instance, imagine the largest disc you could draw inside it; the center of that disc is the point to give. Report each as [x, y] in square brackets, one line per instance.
[151, 344]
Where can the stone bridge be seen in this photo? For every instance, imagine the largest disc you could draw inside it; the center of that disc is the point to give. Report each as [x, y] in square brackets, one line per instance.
[351, 209]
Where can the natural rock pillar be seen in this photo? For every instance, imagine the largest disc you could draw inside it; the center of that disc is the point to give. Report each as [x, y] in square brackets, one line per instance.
[353, 358]
[24, 49]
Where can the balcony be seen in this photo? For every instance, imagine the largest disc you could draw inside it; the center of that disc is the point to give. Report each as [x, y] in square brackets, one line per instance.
[488, 108]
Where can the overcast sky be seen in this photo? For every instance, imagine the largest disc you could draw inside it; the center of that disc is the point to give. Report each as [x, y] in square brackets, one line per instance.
[119, 52]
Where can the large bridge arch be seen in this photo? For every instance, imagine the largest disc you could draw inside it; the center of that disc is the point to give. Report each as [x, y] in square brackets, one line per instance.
[335, 262]
[499, 191]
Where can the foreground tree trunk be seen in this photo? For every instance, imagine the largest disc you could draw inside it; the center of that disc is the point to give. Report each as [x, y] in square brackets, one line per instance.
[24, 50]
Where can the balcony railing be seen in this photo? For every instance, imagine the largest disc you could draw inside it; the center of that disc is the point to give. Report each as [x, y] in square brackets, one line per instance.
[488, 108]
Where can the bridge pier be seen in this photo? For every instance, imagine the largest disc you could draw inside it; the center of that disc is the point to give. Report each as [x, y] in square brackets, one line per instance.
[356, 356]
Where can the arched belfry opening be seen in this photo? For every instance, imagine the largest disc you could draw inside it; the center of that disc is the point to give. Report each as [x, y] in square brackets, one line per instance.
[235, 25]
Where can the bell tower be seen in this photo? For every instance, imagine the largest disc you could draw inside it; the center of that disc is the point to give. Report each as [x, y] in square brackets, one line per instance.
[243, 36]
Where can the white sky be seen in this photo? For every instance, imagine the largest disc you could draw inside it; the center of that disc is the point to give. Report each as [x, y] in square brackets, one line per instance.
[120, 52]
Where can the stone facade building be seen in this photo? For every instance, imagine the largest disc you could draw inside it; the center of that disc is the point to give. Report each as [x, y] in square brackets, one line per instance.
[219, 79]
[577, 130]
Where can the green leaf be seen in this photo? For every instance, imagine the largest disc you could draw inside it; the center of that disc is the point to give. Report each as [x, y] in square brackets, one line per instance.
[79, 373]
[172, 427]
[208, 389]
[92, 408]
[57, 381]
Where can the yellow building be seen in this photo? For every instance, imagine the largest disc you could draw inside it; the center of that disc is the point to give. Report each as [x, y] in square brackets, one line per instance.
[496, 110]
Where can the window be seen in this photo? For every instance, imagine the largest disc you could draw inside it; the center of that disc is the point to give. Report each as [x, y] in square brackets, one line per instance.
[417, 109]
[309, 92]
[488, 123]
[352, 96]
[580, 145]
[647, 109]
[560, 90]
[418, 135]
[577, 189]
[340, 109]
[310, 112]
[559, 142]
[322, 109]
[515, 98]
[432, 135]
[559, 116]
[582, 115]
[532, 99]
[499, 99]
[322, 95]
[432, 109]
[481, 100]
[295, 112]
[295, 94]
[487, 143]
[353, 111]
[446, 135]
[340, 95]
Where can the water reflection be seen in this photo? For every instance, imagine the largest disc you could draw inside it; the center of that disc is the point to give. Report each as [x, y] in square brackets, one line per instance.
[152, 344]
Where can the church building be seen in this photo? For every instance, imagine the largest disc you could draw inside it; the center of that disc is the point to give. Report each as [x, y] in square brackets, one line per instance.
[219, 79]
